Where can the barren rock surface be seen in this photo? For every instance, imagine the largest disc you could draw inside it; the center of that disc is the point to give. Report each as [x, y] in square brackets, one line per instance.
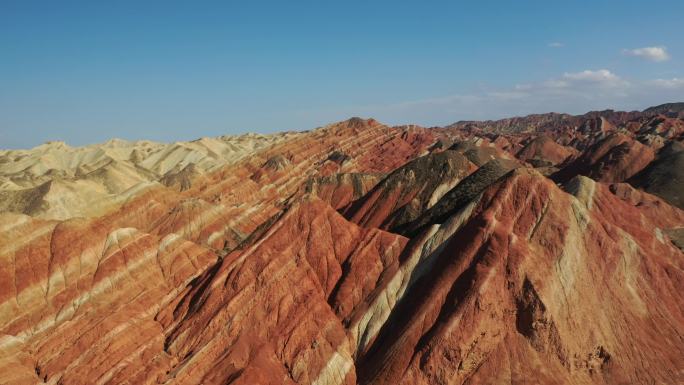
[537, 250]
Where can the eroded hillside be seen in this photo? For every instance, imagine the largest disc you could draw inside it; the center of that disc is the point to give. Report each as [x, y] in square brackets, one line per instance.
[543, 249]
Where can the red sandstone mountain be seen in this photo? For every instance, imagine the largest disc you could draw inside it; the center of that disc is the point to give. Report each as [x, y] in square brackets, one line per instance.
[354, 253]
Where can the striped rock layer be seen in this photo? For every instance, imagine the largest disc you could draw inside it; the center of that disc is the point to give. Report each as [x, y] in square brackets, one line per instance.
[356, 253]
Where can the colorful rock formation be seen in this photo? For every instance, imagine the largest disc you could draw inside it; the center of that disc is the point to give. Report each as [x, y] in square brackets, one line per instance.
[526, 250]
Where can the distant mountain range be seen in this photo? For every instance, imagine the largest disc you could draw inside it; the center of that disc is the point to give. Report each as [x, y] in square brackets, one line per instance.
[541, 249]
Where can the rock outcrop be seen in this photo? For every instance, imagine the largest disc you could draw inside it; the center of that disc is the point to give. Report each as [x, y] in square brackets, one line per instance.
[410, 190]
[664, 176]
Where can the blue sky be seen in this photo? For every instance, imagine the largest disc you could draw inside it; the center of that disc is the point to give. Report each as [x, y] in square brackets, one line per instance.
[86, 71]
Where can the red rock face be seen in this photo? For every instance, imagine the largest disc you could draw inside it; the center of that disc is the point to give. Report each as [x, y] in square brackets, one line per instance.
[300, 280]
[514, 299]
[544, 150]
[613, 159]
[357, 253]
[341, 190]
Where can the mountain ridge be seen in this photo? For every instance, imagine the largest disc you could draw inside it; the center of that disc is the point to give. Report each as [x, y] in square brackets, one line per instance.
[354, 253]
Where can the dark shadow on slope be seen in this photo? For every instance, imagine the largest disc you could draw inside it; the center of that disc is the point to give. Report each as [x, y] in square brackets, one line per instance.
[459, 196]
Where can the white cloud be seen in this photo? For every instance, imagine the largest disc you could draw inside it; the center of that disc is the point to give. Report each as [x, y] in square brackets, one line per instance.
[569, 92]
[601, 79]
[598, 76]
[556, 44]
[656, 54]
[572, 92]
[669, 83]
